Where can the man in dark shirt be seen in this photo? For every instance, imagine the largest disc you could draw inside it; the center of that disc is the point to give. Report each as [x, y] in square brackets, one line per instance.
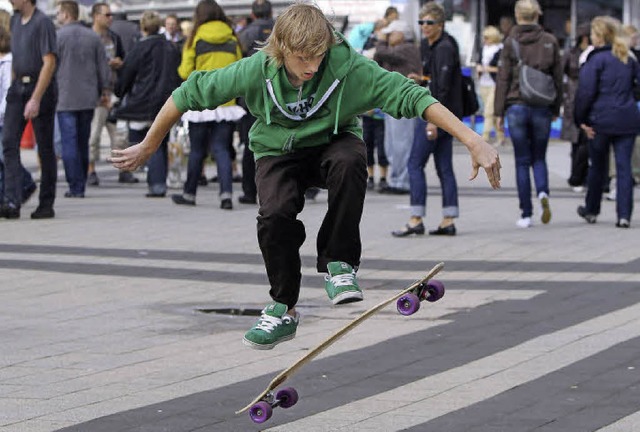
[32, 96]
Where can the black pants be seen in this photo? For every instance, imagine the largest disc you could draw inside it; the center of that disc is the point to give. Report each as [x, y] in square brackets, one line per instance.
[248, 162]
[341, 167]
[14, 123]
[579, 161]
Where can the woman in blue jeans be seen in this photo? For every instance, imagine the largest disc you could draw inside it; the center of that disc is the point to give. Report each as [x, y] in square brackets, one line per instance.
[606, 111]
[529, 124]
[441, 146]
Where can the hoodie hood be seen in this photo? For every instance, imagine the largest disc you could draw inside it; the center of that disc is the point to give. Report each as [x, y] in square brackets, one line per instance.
[333, 71]
[528, 33]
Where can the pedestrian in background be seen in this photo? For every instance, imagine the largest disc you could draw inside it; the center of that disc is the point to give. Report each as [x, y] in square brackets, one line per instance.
[28, 185]
[83, 78]
[487, 71]
[148, 76]
[32, 96]
[397, 52]
[529, 124]
[606, 110]
[211, 45]
[441, 62]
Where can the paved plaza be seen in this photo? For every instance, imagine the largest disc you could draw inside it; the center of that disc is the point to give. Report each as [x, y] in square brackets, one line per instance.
[118, 315]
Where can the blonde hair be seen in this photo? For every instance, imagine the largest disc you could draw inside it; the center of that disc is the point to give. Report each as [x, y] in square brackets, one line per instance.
[150, 22]
[300, 28]
[608, 29]
[528, 10]
[492, 34]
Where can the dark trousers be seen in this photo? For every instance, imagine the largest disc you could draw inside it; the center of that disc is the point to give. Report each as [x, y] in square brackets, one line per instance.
[579, 161]
[341, 167]
[248, 160]
[158, 163]
[598, 157]
[14, 124]
[373, 134]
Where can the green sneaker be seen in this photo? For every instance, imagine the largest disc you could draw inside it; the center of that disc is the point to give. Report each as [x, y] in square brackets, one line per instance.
[341, 283]
[273, 327]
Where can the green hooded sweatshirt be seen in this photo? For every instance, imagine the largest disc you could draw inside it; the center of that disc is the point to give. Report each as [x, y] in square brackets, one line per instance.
[288, 118]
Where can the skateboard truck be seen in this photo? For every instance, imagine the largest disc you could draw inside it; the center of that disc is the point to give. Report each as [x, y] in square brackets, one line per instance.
[431, 291]
[263, 410]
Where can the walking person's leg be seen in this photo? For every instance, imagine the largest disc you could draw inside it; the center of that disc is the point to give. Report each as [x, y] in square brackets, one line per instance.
[518, 119]
[540, 131]
[221, 139]
[443, 158]
[623, 153]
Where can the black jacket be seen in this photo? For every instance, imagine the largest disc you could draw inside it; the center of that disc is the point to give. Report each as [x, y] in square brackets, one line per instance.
[147, 78]
[441, 61]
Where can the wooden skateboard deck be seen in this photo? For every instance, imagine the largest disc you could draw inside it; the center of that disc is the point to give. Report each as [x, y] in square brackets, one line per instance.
[287, 373]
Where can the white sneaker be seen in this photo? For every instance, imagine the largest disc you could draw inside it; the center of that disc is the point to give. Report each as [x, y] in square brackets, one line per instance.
[545, 215]
[578, 189]
[611, 196]
[524, 222]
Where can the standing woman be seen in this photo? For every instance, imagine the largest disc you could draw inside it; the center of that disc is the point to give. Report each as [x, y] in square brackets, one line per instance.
[529, 125]
[606, 111]
[211, 45]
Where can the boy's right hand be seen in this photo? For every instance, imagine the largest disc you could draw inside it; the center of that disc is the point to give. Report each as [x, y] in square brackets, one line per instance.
[131, 158]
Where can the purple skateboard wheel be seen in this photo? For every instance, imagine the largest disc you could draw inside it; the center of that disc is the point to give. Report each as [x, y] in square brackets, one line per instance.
[408, 304]
[288, 397]
[260, 412]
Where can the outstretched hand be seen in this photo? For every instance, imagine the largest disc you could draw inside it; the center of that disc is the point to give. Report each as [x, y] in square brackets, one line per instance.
[483, 155]
[129, 159]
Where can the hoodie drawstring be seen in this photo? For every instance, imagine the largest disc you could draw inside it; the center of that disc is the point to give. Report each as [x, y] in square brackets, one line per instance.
[265, 98]
[335, 128]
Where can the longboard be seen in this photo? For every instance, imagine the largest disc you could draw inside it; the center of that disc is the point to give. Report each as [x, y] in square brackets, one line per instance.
[408, 302]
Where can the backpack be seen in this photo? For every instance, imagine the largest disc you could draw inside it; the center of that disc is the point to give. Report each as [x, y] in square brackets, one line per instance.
[470, 103]
[536, 87]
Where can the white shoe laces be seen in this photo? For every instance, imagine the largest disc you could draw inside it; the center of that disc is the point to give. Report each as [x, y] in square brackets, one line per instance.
[342, 279]
[268, 323]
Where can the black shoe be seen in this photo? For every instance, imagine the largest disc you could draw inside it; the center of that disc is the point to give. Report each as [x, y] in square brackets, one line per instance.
[181, 200]
[93, 179]
[202, 180]
[244, 199]
[393, 191]
[28, 192]
[127, 177]
[226, 204]
[370, 183]
[156, 194]
[9, 211]
[582, 212]
[449, 230]
[43, 213]
[408, 230]
[69, 194]
[237, 178]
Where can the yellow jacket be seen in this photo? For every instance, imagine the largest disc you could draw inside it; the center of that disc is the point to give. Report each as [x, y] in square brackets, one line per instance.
[214, 46]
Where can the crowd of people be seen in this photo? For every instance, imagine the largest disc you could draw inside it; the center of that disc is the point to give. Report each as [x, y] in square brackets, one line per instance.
[90, 72]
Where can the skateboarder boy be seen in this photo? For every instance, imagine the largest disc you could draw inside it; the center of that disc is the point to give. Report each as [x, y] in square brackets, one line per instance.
[306, 87]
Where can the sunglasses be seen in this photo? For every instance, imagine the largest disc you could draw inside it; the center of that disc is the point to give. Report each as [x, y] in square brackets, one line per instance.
[108, 15]
[427, 22]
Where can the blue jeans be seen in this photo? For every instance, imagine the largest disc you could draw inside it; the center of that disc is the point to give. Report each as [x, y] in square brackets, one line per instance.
[75, 128]
[27, 179]
[215, 136]
[442, 150]
[598, 171]
[158, 163]
[530, 128]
